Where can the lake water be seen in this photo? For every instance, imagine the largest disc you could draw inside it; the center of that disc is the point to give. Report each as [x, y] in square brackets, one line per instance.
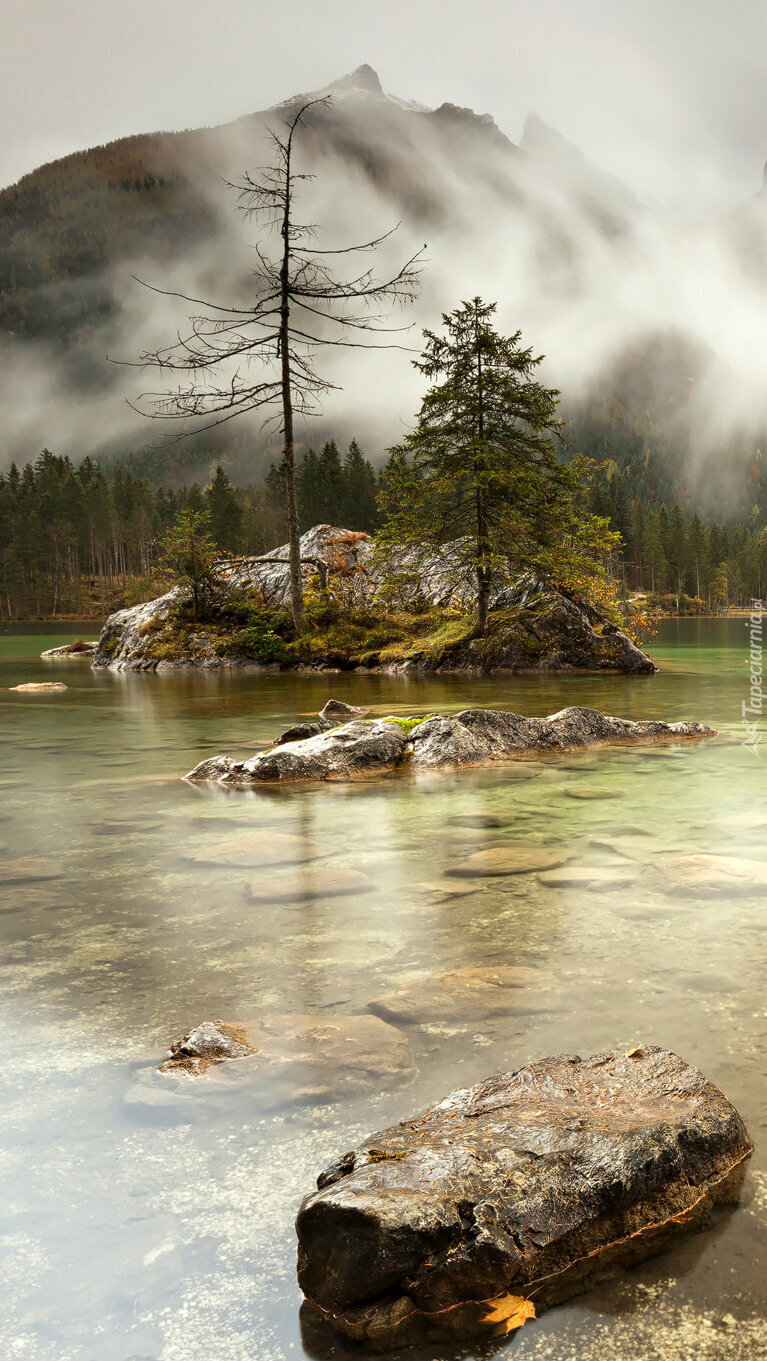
[143, 1219]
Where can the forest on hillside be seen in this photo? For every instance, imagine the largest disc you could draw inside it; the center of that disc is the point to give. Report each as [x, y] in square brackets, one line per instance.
[83, 539]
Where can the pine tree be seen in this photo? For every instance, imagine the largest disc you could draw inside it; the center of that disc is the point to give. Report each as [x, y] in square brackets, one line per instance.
[481, 470]
[697, 548]
[188, 551]
[360, 488]
[677, 548]
[306, 486]
[652, 551]
[223, 507]
[329, 484]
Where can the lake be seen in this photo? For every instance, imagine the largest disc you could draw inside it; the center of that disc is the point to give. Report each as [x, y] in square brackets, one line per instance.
[143, 1219]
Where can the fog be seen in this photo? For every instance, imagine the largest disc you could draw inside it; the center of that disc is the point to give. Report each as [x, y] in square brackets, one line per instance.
[654, 225]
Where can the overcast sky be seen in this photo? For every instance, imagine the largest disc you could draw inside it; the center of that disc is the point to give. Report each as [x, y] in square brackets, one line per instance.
[670, 94]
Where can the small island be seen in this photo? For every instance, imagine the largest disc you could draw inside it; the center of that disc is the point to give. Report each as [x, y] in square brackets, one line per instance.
[344, 743]
[411, 610]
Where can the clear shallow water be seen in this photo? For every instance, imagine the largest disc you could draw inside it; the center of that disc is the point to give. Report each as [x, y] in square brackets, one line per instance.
[140, 1224]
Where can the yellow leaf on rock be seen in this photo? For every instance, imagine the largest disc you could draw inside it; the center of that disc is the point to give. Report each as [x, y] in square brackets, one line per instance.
[509, 1312]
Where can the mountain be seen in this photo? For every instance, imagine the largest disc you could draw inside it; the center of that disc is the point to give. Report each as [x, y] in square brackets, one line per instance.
[65, 226]
[651, 326]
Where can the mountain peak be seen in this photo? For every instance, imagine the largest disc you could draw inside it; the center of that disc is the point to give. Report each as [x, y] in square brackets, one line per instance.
[364, 78]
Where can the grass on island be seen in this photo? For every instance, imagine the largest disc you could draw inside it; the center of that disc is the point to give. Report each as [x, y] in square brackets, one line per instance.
[406, 724]
[335, 633]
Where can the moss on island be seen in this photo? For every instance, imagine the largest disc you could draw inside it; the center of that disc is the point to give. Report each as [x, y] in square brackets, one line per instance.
[246, 632]
[427, 624]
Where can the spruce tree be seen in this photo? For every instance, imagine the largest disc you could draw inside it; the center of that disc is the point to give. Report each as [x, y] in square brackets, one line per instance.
[360, 488]
[481, 467]
[329, 484]
[224, 510]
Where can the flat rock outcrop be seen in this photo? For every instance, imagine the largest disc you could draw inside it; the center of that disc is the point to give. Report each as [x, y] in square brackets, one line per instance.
[298, 1058]
[535, 627]
[473, 737]
[514, 1194]
[361, 747]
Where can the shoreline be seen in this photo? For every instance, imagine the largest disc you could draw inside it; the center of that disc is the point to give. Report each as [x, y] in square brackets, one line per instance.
[98, 622]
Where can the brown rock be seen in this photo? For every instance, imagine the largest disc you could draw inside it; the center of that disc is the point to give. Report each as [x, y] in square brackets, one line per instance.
[298, 1058]
[711, 875]
[508, 860]
[208, 1043]
[336, 709]
[310, 883]
[531, 1186]
[597, 878]
[254, 849]
[471, 994]
[27, 871]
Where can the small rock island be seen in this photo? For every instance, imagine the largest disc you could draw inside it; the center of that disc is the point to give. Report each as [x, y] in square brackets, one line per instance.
[532, 626]
[343, 745]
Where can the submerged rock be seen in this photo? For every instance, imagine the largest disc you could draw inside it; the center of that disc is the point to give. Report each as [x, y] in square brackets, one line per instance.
[28, 871]
[78, 650]
[478, 820]
[712, 875]
[473, 737]
[254, 850]
[502, 860]
[298, 1058]
[310, 884]
[517, 1193]
[471, 994]
[596, 878]
[30, 686]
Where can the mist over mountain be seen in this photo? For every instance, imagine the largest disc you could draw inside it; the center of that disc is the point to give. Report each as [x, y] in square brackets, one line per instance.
[653, 327]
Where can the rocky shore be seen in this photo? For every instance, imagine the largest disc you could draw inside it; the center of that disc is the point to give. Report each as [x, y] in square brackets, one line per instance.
[344, 745]
[532, 626]
[515, 1194]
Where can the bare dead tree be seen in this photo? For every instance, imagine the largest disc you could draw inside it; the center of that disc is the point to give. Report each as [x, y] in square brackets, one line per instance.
[299, 306]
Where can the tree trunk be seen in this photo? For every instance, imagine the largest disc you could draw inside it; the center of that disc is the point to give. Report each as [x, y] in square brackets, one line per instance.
[288, 458]
[483, 599]
[481, 527]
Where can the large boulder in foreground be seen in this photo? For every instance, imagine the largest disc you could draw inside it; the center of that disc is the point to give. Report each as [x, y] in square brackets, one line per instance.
[514, 1194]
[474, 737]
